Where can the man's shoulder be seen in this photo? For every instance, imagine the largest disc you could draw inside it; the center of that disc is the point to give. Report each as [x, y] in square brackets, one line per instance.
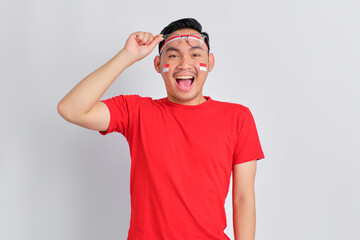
[135, 97]
[233, 106]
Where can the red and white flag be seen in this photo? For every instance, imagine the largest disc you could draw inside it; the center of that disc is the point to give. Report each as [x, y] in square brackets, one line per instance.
[166, 67]
[203, 67]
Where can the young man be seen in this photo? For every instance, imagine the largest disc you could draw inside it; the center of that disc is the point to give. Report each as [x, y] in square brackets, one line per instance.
[183, 147]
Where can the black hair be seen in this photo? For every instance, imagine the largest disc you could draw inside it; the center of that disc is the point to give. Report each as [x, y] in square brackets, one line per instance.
[184, 23]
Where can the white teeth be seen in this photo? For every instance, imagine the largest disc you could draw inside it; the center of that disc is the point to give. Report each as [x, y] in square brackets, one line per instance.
[184, 77]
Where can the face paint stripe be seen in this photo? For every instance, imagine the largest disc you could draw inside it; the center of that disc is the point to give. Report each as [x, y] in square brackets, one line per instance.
[168, 41]
[203, 67]
[193, 36]
[172, 38]
[200, 41]
[183, 36]
[166, 67]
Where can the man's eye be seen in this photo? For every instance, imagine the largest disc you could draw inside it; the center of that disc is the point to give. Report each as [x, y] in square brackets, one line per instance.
[172, 56]
[196, 55]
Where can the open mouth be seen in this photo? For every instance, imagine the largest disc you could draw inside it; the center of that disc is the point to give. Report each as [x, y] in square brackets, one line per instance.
[184, 82]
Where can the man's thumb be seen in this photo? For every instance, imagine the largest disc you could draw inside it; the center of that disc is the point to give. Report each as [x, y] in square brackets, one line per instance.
[158, 38]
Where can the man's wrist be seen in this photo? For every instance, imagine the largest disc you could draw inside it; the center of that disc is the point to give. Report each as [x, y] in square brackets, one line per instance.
[125, 57]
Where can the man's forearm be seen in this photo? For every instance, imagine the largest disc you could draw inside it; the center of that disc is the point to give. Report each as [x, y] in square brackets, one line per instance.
[244, 219]
[83, 97]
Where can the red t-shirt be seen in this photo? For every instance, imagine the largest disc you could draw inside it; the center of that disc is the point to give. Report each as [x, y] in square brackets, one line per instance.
[181, 163]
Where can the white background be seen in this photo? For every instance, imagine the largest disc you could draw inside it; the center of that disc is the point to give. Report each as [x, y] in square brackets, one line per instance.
[294, 63]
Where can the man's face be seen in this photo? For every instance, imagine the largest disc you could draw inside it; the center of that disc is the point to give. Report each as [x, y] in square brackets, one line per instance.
[183, 71]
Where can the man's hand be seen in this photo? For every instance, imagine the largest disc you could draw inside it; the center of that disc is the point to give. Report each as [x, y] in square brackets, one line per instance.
[141, 44]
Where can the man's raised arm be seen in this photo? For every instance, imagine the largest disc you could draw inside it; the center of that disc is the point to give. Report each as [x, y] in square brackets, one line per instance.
[82, 104]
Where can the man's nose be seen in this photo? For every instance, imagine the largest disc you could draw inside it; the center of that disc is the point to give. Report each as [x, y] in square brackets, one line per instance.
[185, 63]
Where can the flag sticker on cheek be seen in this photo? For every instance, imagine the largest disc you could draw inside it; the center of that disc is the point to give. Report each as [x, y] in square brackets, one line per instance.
[203, 67]
[166, 67]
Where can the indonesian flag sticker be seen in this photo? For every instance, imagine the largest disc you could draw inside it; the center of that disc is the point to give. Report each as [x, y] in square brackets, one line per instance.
[203, 67]
[166, 67]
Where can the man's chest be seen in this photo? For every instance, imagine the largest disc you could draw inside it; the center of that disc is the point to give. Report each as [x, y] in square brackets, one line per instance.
[178, 140]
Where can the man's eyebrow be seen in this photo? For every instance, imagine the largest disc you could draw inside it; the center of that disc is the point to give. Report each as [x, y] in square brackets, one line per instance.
[177, 50]
[196, 47]
[172, 49]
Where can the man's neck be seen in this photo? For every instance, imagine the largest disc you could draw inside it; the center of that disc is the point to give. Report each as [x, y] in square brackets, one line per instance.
[193, 102]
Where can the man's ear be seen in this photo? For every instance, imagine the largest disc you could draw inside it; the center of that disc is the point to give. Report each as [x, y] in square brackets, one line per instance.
[211, 61]
[157, 63]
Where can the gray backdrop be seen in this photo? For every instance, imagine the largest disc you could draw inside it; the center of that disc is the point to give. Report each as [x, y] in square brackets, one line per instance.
[294, 63]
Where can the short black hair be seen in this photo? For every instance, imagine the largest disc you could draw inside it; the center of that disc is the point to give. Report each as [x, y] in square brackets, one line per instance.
[184, 23]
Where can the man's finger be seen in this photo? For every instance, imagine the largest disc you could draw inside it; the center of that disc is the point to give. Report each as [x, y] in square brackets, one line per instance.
[151, 38]
[140, 37]
[158, 38]
[146, 38]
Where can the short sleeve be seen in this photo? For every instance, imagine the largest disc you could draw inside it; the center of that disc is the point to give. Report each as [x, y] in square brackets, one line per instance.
[121, 110]
[247, 146]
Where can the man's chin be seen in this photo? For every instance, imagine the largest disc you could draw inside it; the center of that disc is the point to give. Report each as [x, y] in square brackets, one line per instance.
[187, 99]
